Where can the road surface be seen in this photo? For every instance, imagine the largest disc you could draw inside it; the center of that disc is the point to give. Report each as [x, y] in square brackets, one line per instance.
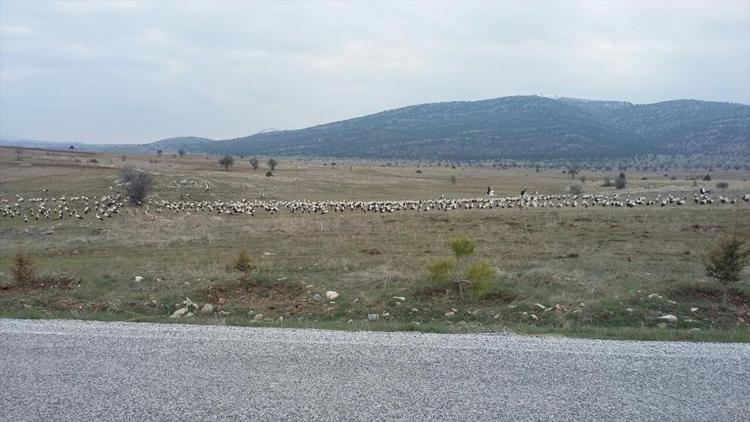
[78, 371]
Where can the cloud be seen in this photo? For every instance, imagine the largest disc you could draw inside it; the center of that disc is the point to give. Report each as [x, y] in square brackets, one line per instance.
[136, 71]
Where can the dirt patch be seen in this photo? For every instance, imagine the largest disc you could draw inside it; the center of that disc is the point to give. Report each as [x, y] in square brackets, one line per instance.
[373, 251]
[703, 228]
[710, 294]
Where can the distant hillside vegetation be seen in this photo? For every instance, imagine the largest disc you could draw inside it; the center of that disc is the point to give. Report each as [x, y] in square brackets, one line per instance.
[521, 127]
[517, 127]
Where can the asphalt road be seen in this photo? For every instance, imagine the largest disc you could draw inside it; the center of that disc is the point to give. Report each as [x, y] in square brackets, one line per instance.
[79, 371]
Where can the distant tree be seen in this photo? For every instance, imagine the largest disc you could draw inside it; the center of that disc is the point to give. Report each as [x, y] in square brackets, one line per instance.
[453, 179]
[226, 161]
[726, 262]
[573, 171]
[707, 178]
[71, 147]
[159, 152]
[620, 181]
[137, 183]
[254, 163]
[272, 164]
[181, 152]
[19, 154]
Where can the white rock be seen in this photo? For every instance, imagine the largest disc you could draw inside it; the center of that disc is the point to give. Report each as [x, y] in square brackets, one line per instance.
[534, 317]
[629, 309]
[449, 314]
[138, 279]
[316, 297]
[668, 317]
[180, 313]
[414, 310]
[401, 298]
[540, 306]
[331, 295]
[259, 317]
[207, 309]
[693, 309]
[372, 317]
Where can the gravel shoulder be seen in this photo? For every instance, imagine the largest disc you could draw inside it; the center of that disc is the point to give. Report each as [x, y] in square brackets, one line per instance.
[79, 370]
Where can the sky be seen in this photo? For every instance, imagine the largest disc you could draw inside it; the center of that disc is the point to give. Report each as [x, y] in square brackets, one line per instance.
[112, 72]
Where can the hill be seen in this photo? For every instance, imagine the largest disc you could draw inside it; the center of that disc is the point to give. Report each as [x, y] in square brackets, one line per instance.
[519, 127]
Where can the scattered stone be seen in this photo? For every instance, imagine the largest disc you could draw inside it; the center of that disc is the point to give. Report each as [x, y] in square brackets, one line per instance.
[693, 309]
[629, 309]
[207, 309]
[417, 323]
[350, 321]
[385, 314]
[267, 254]
[454, 309]
[399, 298]
[496, 316]
[138, 279]
[668, 317]
[449, 314]
[316, 297]
[540, 306]
[372, 317]
[661, 325]
[180, 313]
[309, 286]
[259, 317]
[534, 317]
[189, 315]
[223, 313]
[281, 319]
[331, 295]
[414, 310]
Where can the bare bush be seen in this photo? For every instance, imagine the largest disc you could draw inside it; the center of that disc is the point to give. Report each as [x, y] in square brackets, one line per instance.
[722, 185]
[227, 161]
[621, 181]
[254, 163]
[272, 163]
[138, 184]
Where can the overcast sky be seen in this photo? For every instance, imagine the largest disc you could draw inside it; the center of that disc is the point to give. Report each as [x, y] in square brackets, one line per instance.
[134, 72]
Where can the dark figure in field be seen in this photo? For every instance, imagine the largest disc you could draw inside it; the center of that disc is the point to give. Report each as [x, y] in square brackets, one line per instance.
[523, 192]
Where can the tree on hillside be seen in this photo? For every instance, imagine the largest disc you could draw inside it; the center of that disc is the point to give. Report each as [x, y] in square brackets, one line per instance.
[726, 262]
[159, 152]
[71, 147]
[254, 163]
[226, 161]
[272, 164]
[181, 152]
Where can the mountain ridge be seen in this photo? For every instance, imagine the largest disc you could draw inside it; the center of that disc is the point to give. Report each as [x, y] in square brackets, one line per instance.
[517, 127]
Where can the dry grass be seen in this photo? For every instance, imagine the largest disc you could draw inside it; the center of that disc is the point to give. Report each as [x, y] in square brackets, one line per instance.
[608, 259]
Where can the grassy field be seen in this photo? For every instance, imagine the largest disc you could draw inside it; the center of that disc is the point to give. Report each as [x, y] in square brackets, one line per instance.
[594, 272]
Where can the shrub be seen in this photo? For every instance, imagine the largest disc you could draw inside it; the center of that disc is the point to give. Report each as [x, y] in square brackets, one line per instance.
[93, 160]
[138, 184]
[254, 163]
[23, 268]
[620, 181]
[453, 179]
[226, 161]
[244, 265]
[480, 275]
[462, 246]
[576, 189]
[722, 185]
[269, 174]
[272, 164]
[726, 262]
[441, 270]
[181, 152]
[707, 178]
